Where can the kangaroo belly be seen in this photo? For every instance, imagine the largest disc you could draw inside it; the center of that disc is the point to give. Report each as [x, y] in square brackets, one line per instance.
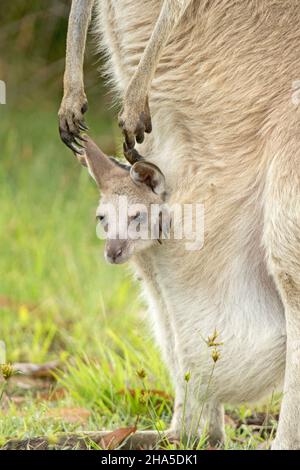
[251, 338]
[248, 317]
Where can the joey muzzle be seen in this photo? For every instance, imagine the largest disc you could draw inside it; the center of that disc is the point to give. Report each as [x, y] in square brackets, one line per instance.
[116, 251]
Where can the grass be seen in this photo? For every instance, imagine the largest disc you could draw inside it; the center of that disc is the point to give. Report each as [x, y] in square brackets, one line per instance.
[59, 300]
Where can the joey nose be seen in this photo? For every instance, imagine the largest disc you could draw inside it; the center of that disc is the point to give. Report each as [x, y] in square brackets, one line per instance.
[117, 254]
[114, 254]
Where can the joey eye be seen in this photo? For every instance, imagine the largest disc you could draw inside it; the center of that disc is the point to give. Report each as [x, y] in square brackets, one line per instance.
[140, 217]
[100, 218]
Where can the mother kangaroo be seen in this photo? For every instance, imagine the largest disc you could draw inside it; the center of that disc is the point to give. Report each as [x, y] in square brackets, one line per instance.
[218, 81]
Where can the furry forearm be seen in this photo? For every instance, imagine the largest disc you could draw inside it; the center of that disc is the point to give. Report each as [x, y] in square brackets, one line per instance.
[79, 20]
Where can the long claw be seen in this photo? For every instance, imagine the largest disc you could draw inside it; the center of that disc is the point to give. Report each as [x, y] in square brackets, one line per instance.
[140, 136]
[131, 155]
[72, 124]
[130, 140]
[64, 135]
[78, 144]
[83, 126]
[69, 139]
[148, 127]
[147, 118]
[80, 137]
[134, 125]
[76, 149]
[85, 107]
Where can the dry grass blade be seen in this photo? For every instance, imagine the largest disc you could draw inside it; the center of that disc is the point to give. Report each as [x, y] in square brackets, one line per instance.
[150, 393]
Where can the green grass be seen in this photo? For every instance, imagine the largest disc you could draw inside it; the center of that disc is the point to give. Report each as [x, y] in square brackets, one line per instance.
[59, 300]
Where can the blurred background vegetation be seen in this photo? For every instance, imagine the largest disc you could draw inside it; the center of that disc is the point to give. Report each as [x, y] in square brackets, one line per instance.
[32, 38]
[32, 51]
[32, 56]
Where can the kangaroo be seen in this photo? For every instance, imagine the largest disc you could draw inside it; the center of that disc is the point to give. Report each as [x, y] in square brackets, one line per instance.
[217, 83]
[252, 358]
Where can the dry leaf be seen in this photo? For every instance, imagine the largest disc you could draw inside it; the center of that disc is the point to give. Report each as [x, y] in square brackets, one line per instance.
[37, 370]
[18, 400]
[6, 302]
[24, 382]
[70, 415]
[52, 395]
[115, 438]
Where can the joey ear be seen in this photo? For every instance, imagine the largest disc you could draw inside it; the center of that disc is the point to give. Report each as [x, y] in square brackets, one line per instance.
[99, 165]
[149, 174]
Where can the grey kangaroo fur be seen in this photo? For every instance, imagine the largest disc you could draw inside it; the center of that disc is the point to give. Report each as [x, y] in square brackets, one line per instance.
[221, 81]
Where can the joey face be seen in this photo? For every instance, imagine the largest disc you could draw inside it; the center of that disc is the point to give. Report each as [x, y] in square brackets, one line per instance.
[131, 202]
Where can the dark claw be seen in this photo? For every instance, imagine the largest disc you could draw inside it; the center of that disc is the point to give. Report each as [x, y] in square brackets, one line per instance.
[75, 141]
[78, 144]
[126, 152]
[140, 136]
[71, 142]
[80, 137]
[130, 141]
[148, 127]
[84, 108]
[147, 118]
[131, 155]
[76, 149]
[83, 126]
[144, 126]
[65, 136]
